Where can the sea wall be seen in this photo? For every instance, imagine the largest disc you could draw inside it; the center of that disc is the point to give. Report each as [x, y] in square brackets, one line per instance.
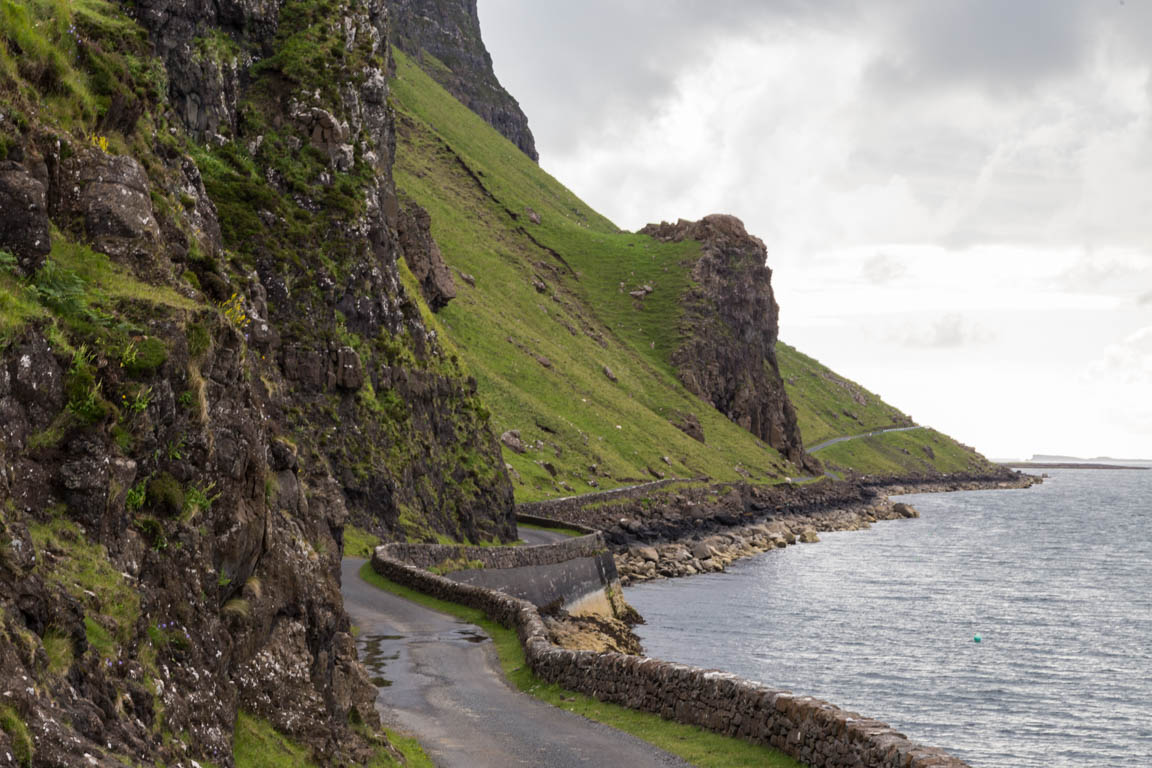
[578, 574]
[437, 555]
[815, 732]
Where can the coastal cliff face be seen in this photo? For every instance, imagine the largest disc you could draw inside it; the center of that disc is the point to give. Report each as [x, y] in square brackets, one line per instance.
[443, 37]
[729, 328]
[213, 356]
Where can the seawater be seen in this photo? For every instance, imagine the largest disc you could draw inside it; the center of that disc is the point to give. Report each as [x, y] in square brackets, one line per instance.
[1056, 580]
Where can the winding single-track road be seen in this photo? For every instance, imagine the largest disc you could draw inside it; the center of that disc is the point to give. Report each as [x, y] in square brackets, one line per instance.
[873, 433]
[439, 679]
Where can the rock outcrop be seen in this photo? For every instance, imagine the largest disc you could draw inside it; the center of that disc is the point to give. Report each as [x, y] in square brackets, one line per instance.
[424, 258]
[730, 327]
[443, 36]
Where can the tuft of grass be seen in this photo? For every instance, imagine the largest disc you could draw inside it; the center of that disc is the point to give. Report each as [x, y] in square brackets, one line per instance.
[60, 650]
[358, 542]
[256, 744]
[696, 745]
[165, 494]
[99, 639]
[18, 735]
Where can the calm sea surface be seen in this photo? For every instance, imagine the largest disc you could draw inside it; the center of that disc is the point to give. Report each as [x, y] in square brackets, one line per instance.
[1056, 579]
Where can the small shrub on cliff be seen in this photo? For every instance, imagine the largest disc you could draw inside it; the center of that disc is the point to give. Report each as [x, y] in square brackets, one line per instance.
[165, 494]
[85, 396]
[153, 531]
[143, 357]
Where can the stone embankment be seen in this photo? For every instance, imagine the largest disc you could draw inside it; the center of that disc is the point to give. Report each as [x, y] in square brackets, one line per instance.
[689, 528]
[815, 732]
[711, 553]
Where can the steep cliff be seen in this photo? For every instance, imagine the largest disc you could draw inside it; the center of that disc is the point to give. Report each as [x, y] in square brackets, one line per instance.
[729, 327]
[443, 37]
[212, 356]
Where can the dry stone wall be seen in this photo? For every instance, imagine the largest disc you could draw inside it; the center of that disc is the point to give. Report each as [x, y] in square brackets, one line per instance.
[435, 555]
[815, 732]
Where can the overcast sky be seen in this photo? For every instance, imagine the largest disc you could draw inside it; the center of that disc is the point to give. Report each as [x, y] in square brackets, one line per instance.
[956, 195]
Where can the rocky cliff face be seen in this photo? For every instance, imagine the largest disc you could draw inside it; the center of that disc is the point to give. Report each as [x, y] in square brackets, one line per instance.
[443, 36]
[212, 357]
[730, 328]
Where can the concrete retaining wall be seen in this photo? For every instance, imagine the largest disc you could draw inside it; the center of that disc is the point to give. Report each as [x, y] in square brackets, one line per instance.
[815, 732]
[579, 573]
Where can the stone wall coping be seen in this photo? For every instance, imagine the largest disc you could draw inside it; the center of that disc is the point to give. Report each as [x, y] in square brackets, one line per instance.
[433, 555]
[814, 731]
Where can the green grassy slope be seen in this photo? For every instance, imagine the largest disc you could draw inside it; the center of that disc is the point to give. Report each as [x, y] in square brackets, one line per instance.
[558, 290]
[552, 290]
[894, 453]
[828, 405]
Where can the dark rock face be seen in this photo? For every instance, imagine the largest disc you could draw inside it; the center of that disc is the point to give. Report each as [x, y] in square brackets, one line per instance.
[449, 30]
[24, 222]
[728, 357]
[179, 461]
[424, 258]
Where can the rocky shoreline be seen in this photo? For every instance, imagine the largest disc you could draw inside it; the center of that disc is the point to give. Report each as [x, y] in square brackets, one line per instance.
[700, 528]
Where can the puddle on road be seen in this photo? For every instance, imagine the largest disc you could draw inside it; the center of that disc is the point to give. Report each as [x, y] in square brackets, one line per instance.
[472, 636]
[376, 652]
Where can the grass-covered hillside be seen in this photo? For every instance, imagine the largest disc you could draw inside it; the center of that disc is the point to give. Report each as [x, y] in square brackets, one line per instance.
[544, 306]
[550, 310]
[829, 406]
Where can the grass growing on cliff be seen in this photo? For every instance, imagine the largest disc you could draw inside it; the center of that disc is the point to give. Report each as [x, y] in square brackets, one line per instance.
[256, 744]
[696, 745]
[358, 542]
[83, 570]
[547, 313]
[18, 735]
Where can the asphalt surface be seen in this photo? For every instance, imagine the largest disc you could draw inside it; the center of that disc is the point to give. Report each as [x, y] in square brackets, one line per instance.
[536, 536]
[835, 440]
[439, 679]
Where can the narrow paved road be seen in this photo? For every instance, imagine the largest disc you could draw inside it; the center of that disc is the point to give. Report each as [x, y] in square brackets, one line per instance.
[835, 440]
[439, 679]
[536, 536]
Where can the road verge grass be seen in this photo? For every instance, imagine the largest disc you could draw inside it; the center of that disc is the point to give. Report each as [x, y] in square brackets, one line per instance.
[694, 744]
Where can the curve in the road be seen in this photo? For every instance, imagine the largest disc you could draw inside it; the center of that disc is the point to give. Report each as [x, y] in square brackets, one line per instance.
[534, 537]
[439, 679]
[835, 440]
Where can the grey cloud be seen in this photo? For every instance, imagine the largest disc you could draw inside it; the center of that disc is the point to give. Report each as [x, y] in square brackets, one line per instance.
[882, 268]
[1001, 46]
[609, 63]
[1146, 299]
[947, 332]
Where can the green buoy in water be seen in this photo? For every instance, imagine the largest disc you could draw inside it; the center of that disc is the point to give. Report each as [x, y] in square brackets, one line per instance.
[976, 639]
